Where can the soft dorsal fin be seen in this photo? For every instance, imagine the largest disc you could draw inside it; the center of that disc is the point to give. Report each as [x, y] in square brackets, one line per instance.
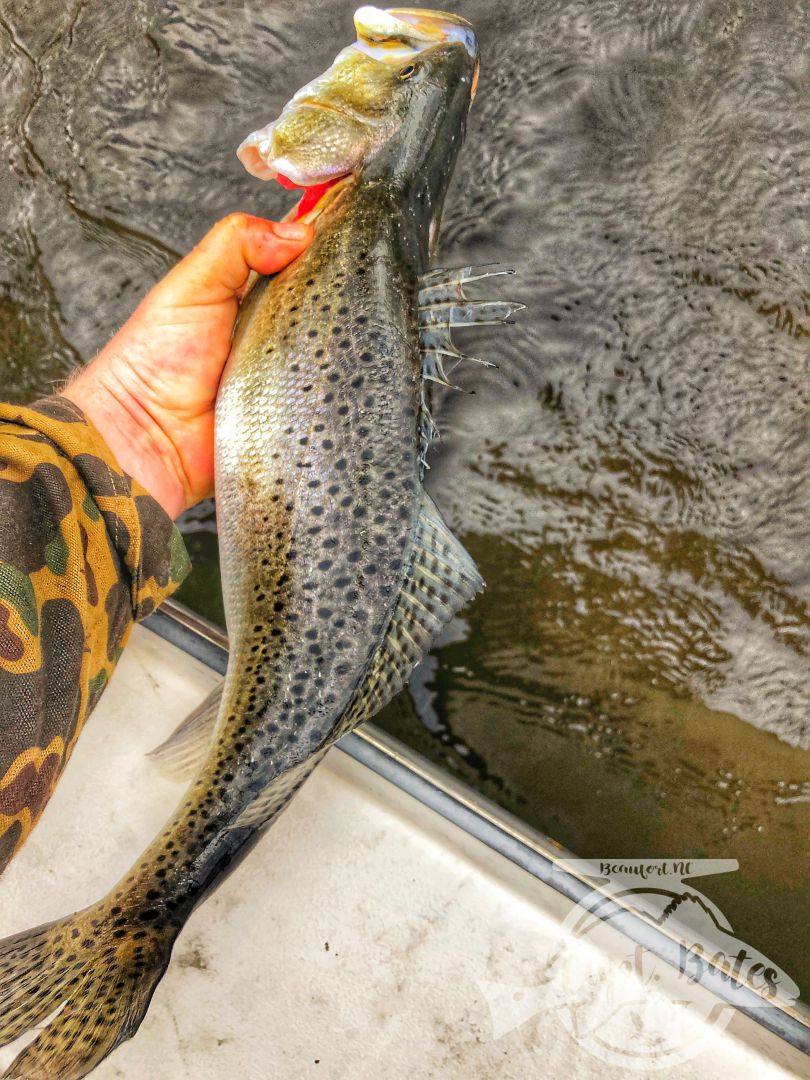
[441, 580]
[182, 754]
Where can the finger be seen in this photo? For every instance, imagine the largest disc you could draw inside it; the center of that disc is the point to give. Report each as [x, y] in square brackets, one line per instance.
[218, 267]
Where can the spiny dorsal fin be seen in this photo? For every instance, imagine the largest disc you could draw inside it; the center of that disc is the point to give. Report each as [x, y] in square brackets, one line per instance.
[181, 755]
[444, 304]
[441, 580]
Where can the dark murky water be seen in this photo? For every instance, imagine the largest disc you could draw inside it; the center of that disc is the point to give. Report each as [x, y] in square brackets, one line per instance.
[635, 479]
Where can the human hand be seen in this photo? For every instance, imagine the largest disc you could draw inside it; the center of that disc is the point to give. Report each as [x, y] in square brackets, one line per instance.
[151, 390]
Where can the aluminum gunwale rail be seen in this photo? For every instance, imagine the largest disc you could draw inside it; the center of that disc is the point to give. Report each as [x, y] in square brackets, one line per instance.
[529, 849]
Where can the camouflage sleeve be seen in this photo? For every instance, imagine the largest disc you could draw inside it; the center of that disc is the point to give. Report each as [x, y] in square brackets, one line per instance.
[84, 551]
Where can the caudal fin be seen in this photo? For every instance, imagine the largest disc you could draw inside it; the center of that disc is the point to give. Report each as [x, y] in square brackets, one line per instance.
[98, 968]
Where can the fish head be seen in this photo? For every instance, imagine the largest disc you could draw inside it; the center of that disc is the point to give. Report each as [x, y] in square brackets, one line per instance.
[392, 105]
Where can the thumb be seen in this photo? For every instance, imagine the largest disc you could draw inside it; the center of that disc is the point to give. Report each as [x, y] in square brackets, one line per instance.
[217, 268]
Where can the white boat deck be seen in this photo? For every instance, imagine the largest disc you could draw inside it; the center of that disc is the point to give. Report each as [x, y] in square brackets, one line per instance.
[357, 940]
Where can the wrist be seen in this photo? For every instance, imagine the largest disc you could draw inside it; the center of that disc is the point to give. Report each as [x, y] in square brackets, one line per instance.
[137, 441]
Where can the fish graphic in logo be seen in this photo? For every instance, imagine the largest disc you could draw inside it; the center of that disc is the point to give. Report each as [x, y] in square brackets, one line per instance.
[621, 1001]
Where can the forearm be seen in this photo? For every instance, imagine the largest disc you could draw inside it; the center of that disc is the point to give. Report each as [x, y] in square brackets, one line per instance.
[84, 552]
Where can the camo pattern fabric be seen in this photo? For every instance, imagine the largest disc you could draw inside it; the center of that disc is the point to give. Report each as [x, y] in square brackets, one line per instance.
[84, 552]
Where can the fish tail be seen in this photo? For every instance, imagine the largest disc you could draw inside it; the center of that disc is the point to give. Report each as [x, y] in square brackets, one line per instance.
[93, 974]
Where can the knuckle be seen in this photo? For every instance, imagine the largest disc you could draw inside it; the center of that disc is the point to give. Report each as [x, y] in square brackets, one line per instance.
[234, 223]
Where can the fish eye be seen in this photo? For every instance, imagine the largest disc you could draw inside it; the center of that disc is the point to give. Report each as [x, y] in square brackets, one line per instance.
[407, 72]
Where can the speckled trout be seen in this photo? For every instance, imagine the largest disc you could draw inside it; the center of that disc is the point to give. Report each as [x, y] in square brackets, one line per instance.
[338, 570]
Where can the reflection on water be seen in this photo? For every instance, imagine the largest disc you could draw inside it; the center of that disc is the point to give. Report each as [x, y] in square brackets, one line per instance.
[634, 481]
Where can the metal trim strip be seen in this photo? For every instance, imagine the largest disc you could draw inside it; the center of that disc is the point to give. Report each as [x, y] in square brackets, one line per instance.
[499, 830]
